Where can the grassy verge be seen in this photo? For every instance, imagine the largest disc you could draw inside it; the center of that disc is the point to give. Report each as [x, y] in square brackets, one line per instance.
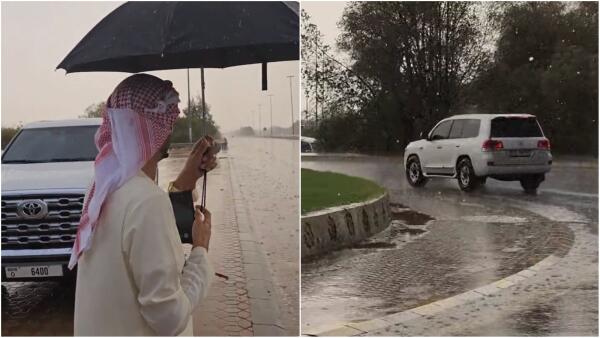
[322, 190]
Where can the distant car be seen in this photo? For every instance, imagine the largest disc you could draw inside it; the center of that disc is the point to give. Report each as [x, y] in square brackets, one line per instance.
[307, 144]
[471, 148]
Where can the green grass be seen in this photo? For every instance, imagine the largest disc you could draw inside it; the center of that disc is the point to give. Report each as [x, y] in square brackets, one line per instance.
[322, 190]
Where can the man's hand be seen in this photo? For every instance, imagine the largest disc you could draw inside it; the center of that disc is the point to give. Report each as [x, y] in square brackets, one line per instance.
[196, 164]
[201, 229]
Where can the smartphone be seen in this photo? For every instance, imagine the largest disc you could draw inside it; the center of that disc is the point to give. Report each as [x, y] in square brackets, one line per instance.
[183, 208]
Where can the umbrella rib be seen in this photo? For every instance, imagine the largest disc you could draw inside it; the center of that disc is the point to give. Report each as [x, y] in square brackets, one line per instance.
[168, 25]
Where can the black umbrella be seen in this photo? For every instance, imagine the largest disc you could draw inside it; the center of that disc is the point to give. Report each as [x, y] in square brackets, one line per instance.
[146, 36]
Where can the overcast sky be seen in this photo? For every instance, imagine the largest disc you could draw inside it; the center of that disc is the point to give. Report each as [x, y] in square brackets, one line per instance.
[36, 36]
[325, 14]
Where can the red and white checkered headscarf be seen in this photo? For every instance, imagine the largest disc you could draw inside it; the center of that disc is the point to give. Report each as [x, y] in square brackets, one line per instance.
[138, 118]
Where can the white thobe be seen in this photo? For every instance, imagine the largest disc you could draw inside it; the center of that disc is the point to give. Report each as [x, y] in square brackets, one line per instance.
[134, 280]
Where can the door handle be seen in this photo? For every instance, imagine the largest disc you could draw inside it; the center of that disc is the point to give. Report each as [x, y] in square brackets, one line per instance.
[457, 146]
[439, 147]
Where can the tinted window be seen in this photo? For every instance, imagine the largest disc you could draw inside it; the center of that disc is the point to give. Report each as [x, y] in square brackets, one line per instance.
[471, 128]
[441, 131]
[305, 147]
[457, 128]
[515, 127]
[57, 144]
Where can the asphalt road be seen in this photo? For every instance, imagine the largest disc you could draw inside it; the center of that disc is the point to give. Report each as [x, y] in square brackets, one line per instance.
[475, 239]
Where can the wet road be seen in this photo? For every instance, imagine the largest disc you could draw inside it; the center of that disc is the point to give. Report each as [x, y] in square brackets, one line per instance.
[475, 239]
[267, 171]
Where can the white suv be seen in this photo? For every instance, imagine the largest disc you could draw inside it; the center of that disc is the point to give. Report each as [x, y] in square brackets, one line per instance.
[471, 148]
[46, 170]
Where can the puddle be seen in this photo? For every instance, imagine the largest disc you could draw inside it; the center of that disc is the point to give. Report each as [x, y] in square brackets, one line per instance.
[393, 237]
[409, 231]
[408, 216]
[374, 245]
[494, 219]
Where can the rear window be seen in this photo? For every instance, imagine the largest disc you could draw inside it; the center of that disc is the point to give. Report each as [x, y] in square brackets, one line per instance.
[515, 127]
[55, 144]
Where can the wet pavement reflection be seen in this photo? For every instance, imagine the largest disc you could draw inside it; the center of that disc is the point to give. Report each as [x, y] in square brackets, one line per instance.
[474, 239]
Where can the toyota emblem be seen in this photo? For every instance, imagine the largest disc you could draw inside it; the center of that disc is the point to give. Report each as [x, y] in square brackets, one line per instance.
[32, 209]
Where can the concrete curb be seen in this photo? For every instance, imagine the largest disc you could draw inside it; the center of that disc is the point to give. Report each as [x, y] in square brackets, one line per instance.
[262, 294]
[427, 310]
[338, 227]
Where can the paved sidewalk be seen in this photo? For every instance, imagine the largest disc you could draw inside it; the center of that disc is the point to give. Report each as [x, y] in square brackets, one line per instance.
[243, 305]
[226, 311]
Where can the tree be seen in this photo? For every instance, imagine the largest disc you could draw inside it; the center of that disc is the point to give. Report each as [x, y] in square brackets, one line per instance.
[8, 133]
[331, 85]
[421, 56]
[93, 110]
[199, 128]
[546, 63]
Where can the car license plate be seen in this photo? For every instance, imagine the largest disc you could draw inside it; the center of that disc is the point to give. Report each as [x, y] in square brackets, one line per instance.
[520, 153]
[33, 271]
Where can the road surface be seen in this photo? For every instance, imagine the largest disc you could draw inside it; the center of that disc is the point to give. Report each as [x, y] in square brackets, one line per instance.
[474, 239]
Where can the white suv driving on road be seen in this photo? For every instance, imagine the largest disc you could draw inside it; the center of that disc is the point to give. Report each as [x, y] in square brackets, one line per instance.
[471, 148]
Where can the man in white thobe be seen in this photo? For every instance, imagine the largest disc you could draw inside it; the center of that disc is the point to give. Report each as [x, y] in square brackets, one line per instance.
[132, 276]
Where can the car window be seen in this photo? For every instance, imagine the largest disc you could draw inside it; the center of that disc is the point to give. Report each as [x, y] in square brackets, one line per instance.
[305, 146]
[457, 128]
[55, 144]
[515, 127]
[441, 131]
[471, 128]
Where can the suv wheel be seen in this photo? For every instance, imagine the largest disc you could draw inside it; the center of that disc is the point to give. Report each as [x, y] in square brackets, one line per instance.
[414, 173]
[530, 183]
[467, 181]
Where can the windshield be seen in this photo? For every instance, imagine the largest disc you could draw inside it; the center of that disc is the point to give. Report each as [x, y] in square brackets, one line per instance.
[515, 127]
[56, 144]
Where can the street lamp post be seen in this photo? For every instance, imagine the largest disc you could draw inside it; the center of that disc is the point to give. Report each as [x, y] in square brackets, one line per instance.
[189, 111]
[259, 121]
[291, 101]
[271, 105]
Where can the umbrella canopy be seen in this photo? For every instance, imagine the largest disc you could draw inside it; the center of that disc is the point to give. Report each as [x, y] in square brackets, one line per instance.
[146, 36]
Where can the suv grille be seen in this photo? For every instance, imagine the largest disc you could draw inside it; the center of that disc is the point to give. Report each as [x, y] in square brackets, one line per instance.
[56, 230]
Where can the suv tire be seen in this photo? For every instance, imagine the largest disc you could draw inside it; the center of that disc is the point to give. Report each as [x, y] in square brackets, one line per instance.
[467, 181]
[530, 183]
[414, 172]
